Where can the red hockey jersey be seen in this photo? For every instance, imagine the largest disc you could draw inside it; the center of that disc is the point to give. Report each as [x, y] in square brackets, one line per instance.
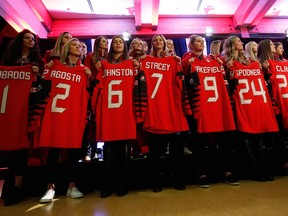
[113, 101]
[65, 115]
[253, 109]
[215, 111]
[279, 82]
[15, 85]
[165, 111]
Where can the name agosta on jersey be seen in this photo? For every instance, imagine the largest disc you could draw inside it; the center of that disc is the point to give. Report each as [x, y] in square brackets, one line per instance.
[63, 75]
[17, 75]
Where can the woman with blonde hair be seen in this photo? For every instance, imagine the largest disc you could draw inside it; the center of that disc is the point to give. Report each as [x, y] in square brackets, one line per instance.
[136, 49]
[56, 51]
[251, 50]
[62, 119]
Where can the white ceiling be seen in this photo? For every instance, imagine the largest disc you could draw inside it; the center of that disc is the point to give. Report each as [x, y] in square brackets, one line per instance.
[68, 9]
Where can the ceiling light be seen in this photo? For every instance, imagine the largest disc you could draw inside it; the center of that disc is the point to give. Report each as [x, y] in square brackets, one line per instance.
[209, 31]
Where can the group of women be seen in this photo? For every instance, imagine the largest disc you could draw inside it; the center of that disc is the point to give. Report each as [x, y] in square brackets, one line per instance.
[126, 97]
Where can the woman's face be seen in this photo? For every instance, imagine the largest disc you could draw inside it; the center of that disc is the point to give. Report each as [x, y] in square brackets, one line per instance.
[137, 45]
[84, 48]
[118, 45]
[75, 48]
[103, 43]
[170, 45]
[66, 37]
[198, 44]
[238, 45]
[254, 47]
[279, 49]
[158, 43]
[28, 40]
[272, 47]
[145, 46]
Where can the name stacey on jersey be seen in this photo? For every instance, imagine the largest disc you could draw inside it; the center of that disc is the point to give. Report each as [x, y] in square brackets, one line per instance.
[157, 66]
[63, 75]
[17, 75]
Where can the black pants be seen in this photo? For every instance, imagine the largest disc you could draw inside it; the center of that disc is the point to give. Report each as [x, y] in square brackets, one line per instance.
[157, 147]
[16, 161]
[257, 156]
[53, 160]
[116, 156]
[206, 144]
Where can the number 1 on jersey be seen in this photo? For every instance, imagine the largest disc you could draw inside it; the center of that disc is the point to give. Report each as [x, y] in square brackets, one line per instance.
[4, 99]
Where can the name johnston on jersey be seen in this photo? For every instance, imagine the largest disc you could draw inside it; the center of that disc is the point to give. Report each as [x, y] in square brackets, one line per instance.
[21, 75]
[118, 72]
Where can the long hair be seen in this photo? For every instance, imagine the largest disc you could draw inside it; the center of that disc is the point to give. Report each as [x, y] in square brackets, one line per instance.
[280, 57]
[249, 52]
[192, 39]
[215, 47]
[14, 51]
[96, 50]
[58, 45]
[229, 51]
[111, 50]
[264, 51]
[65, 51]
[153, 52]
[131, 49]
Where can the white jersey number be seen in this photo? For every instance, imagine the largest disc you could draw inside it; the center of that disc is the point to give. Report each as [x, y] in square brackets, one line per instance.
[4, 99]
[212, 87]
[159, 79]
[54, 107]
[255, 92]
[112, 93]
[283, 84]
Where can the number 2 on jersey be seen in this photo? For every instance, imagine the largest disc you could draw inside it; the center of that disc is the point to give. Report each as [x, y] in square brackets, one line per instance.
[54, 107]
[282, 85]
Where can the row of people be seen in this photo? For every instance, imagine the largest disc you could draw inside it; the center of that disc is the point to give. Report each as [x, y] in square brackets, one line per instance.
[174, 100]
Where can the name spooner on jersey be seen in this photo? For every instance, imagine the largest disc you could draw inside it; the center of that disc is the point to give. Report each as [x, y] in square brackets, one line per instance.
[248, 72]
[118, 72]
[157, 66]
[21, 75]
[65, 75]
[206, 69]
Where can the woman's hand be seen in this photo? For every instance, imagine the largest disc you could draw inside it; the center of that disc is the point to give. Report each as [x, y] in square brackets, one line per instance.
[191, 60]
[143, 57]
[98, 65]
[229, 64]
[135, 63]
[219, 60]
[177, 58]
[87, 71]
[49, 64]
[35, 69]
[265, 64]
